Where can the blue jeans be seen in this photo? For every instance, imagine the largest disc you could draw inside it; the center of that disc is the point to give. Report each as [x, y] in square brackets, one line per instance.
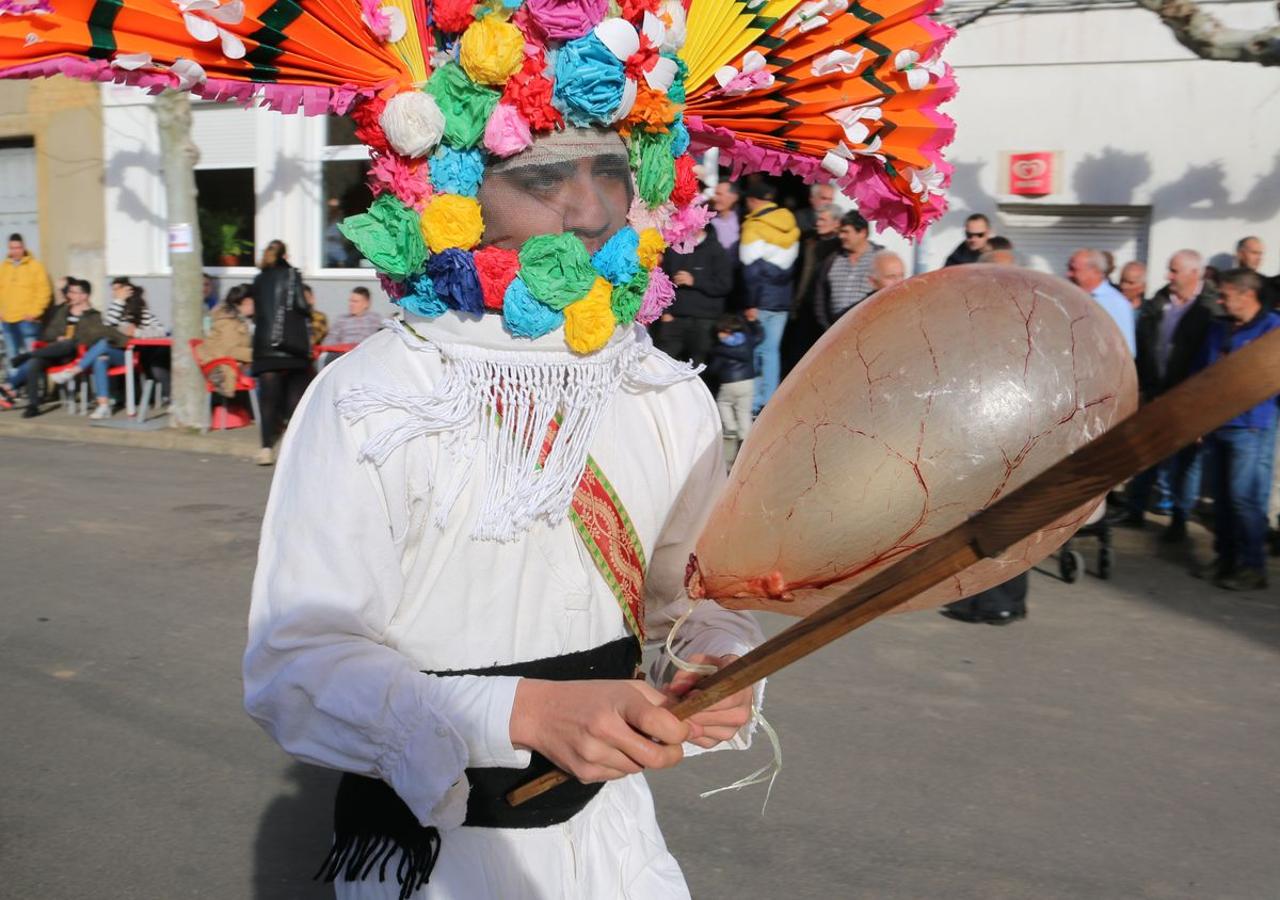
[1241, 460]
[768, 356]
[101, 356]
[1183, 471]
[18, 337]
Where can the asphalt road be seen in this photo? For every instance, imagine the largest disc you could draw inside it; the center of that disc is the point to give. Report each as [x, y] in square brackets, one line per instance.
[1121, 742]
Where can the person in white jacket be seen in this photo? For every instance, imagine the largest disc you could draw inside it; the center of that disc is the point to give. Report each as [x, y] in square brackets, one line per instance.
[417, 530]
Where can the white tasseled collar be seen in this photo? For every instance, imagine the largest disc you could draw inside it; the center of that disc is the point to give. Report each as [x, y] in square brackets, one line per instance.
[498, 390]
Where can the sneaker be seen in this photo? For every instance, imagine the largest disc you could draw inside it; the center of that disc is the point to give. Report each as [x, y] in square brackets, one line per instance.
[103, 411]
[265, 457]
[1243, 580]
[64, 376]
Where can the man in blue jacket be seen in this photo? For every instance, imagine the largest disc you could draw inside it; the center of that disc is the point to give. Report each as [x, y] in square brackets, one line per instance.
[1242, 451]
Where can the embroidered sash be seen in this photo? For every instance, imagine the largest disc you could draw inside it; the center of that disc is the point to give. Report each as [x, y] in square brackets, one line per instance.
[606, 530]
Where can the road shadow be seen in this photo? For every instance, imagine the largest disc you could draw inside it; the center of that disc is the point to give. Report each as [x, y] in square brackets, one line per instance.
[294, 834]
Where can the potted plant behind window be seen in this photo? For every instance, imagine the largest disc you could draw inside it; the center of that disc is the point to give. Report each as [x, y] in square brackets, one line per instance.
[231, 247]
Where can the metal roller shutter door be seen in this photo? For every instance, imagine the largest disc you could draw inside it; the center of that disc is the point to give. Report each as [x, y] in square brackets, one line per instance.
[1044, 237]
[18, 202]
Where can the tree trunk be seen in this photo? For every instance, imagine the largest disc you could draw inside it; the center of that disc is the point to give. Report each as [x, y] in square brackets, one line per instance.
[179, 154]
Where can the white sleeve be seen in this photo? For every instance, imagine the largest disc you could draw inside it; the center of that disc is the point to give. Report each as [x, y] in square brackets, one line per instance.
[710, 628]
[317, 673]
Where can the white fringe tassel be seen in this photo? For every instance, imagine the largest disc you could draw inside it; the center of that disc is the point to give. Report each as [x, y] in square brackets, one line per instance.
[530, 389]
[769, 771]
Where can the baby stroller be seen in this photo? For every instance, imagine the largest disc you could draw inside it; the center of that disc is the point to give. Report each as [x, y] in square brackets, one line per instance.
[1071, 561]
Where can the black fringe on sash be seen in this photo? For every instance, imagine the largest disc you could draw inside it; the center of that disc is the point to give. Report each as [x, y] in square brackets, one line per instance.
[371, 824]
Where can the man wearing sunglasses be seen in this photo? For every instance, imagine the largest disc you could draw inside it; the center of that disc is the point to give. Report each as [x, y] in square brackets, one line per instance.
[976, 231]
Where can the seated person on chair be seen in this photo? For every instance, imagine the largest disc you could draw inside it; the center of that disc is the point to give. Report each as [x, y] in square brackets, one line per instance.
[76, 324]
[128, 317]
[230, 336]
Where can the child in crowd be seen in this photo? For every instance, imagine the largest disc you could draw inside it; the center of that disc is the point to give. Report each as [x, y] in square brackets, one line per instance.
[731, 364]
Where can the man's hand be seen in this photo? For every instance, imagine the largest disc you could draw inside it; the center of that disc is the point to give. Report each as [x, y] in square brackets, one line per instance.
[683, 278]
[666, 317]
[597, 730]
[722, 721]
[749, 314]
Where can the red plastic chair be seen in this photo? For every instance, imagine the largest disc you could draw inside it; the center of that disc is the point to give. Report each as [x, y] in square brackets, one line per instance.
[244, 383]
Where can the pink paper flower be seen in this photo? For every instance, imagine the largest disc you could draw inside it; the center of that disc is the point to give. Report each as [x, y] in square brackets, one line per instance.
[406, 179]
[25, 7]
[507, 132]
[563, 20]
[686, 224]
[657, 297]
[640, 216]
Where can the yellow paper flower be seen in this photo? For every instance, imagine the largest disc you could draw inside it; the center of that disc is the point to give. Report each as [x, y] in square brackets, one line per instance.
[492, 51]
[589, 323]
[451, 220]
[651, 247]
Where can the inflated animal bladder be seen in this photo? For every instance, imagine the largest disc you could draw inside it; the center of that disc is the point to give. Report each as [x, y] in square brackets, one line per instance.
[919, 408]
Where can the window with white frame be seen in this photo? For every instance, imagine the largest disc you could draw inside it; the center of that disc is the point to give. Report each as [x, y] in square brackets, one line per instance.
[344, 174]
[226, 197]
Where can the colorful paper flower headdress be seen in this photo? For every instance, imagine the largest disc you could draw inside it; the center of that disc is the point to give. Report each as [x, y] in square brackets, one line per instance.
[457, 101]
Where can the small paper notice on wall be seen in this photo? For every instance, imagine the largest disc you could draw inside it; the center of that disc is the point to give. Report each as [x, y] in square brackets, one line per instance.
[180, 238]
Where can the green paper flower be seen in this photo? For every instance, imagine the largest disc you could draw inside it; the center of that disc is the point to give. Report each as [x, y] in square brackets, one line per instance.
[465, 104]
[388, 236]
[654, 166]
[627, 297]
[556, 269]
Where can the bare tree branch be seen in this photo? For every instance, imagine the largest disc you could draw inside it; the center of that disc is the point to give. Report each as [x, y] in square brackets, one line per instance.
[1206, 37]
[979, 13]
[1199, 31]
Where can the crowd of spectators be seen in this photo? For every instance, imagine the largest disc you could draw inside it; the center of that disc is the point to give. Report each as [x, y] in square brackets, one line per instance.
[268, 331]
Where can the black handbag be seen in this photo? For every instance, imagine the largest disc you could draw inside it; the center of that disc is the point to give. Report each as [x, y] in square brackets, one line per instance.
[289, 331]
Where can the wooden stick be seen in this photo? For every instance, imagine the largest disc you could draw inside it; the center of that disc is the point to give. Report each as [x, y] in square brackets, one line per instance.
[1237, 383]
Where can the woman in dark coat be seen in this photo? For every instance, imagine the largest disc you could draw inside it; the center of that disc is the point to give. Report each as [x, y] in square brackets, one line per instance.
[281, 344]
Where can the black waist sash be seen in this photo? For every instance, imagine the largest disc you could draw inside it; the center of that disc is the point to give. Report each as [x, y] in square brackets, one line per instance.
[371, 823]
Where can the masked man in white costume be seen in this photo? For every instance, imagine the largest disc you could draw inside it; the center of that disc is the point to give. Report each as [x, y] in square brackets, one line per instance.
[443, 595]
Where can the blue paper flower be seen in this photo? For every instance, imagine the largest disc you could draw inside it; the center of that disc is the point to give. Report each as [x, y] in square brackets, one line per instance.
[525, 316]
[680, 137]
[453, 274]
[457, 171]
[617, 260]
[589, 81]
[420, 297]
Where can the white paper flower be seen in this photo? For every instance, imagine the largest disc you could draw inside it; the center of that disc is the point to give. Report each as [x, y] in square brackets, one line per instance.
[675, 22]
[926, 181]
[753, 76]
[837, 61]
[189, 72]
[918, 74]
[413, 123]
[204, 29]
[131, 62]
[837, 159]
[851, 119]
[814, 14]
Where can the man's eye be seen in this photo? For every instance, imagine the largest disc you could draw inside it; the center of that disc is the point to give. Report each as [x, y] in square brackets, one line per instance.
[612, 167]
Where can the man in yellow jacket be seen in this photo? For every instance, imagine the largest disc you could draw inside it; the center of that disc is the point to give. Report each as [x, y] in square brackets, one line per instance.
[24, 294]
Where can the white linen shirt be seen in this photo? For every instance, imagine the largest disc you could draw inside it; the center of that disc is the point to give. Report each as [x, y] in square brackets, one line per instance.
[358, 591]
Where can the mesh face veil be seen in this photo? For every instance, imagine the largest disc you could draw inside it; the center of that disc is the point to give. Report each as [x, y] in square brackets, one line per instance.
[576, 181]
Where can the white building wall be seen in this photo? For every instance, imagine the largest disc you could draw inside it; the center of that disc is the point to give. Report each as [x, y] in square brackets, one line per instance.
[285, 153]
[1137, 121]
